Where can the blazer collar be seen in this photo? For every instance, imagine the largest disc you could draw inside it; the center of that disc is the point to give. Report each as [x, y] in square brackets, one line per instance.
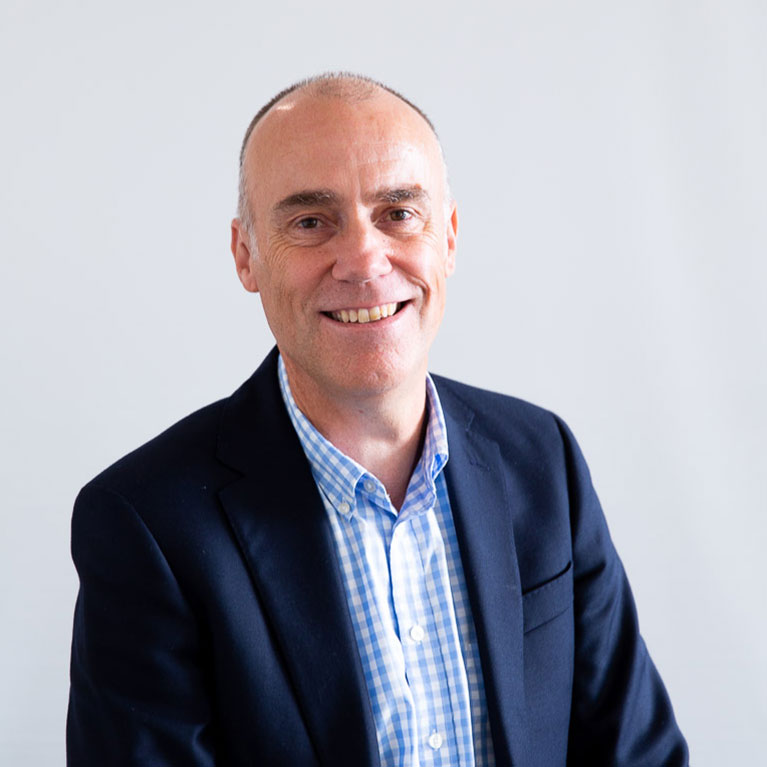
[483, 497]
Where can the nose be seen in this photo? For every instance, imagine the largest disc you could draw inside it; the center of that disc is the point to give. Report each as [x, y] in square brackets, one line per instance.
[361, 252]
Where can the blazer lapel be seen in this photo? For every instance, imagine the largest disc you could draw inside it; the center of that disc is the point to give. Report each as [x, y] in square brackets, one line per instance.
[482, 501]
[283, 530]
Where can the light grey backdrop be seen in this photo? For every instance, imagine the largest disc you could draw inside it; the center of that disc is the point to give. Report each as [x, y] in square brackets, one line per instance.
[609, 160]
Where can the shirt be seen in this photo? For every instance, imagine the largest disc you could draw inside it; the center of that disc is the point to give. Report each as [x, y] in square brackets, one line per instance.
[407, 598]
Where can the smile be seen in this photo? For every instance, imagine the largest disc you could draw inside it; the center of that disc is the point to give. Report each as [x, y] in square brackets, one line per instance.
[371, 314]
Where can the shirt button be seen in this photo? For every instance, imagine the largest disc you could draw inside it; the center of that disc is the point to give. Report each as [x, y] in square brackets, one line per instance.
[417, 634]
[370, 486]
[344, 507]
[435, 740]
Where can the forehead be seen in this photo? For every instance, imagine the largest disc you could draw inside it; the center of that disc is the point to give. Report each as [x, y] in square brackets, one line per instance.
[307, 141]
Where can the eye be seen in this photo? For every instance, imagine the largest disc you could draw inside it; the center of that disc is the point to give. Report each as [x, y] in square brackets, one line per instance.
[400, 214]
[310, 222]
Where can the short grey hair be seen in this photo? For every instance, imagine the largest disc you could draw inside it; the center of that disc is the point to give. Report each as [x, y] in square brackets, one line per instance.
[347, 86]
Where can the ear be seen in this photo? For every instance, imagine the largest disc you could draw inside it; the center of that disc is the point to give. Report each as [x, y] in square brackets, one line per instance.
[243, 260]
[451, 233]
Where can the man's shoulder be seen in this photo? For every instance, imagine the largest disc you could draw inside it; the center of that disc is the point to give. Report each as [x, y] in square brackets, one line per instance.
[196, 447]
[183, 449]
[501, 416]
[480, 398]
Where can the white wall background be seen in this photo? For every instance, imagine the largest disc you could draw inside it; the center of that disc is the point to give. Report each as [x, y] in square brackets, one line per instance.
[609, 159]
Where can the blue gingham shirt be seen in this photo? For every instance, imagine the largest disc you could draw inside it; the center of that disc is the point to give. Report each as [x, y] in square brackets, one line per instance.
[407, 597]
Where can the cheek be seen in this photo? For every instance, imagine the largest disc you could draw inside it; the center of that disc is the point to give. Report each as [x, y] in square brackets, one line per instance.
[290, 278]
[273, 253]
[432, 267]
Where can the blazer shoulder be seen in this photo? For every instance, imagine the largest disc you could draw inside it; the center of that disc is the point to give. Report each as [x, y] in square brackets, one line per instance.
[501, 417]
[195, 452]
[186, 448]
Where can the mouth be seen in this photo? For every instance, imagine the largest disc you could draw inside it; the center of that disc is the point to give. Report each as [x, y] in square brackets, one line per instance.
[364, 315]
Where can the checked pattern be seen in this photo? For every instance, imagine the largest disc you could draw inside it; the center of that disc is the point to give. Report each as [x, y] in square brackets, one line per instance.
[407, 597]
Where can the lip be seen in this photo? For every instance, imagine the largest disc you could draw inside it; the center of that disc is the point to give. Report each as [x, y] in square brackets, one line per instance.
[359, 326]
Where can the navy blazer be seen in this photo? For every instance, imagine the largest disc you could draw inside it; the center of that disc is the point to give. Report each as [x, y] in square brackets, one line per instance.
[211, 626]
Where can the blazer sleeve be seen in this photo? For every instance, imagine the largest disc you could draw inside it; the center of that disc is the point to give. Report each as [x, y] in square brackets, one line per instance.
[138, 693]
[621, 714]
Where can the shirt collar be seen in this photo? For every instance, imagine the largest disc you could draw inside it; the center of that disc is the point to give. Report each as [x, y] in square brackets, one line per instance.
[336, 474]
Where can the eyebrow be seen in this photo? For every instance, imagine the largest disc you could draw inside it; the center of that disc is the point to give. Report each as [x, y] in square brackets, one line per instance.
[402, 194]
[306, 198]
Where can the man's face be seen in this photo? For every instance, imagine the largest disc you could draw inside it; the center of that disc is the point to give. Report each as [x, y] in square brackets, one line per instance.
[350, 222]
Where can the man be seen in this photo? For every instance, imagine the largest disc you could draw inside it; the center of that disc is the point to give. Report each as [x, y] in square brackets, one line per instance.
[348, 562]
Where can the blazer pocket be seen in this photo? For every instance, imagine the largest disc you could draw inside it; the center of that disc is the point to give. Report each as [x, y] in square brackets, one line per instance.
[546, 602]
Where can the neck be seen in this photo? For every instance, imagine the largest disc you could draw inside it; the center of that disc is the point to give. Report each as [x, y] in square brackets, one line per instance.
[382, 431]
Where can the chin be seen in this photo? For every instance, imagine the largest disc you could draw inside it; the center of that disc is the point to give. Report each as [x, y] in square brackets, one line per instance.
[375, 375]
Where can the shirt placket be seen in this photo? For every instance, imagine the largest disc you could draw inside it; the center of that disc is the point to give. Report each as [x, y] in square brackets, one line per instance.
[412, 541]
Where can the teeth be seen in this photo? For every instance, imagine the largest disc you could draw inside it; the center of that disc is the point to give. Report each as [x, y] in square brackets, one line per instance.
[363, 315]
